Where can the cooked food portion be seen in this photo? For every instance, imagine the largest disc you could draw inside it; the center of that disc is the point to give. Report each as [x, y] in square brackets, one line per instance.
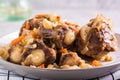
[46, 41]
[52, 30]
[40, 54]
[70, 58]
[15, 53]
[97, 39]
[4, 53]
[41, 38]
[35, 53]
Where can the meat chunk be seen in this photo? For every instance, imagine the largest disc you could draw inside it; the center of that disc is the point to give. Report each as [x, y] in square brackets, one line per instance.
[97, 38]
[41, 54]
[61, 37]
[35, 22]
[31, 51]
[54, 32]
[70, 58]
[36, 58]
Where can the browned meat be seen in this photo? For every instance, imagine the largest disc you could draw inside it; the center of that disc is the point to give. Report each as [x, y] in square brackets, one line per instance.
[35, 22]
[38, 55]
[54, 33]
[45, 39]
[70, 58]
[97, 38]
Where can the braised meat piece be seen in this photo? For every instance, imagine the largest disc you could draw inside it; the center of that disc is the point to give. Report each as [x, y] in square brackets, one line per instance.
[54, 32]
[59, 37]
[35, 22]
[97, 38]
[39, 54]
[70, 58]
[31, 51]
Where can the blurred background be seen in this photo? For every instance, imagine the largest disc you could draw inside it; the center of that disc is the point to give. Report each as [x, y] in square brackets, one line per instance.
[76, 4]
[14, 12]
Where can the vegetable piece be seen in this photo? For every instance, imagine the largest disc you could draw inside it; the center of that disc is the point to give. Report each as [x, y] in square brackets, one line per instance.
[41, 66]
[69, 37]
[108, 58]
[63, 50]
[4, 53]
[96, 63]
[35, 32]
[16, 54]
[47, 24]
[34, 35]
[85, 65]
[17, 40]
[27, 26]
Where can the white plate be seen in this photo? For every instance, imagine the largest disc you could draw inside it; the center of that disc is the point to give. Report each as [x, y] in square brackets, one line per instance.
[38, 73]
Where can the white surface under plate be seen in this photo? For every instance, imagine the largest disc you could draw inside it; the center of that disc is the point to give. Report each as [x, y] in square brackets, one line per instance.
[59, 74]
